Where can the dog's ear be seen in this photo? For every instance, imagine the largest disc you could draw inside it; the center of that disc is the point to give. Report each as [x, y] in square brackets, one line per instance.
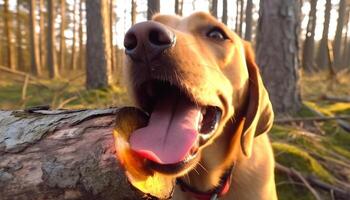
[259, 114]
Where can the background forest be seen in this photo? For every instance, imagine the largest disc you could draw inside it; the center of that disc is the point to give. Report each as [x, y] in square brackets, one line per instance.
[68, 54]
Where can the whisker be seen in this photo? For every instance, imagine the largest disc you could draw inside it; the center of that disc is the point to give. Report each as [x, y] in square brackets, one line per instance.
[199, 164]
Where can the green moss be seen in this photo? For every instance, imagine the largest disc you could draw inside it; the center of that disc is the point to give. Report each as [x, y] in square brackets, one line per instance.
[286, 190]
[300, 160]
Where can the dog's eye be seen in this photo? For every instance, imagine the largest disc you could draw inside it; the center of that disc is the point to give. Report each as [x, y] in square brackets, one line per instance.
[217, 34]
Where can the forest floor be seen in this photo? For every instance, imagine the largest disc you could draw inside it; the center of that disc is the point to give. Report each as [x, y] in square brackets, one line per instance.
[318, 150]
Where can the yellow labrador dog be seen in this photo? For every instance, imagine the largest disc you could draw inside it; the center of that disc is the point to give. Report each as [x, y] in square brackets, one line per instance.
[209, 110]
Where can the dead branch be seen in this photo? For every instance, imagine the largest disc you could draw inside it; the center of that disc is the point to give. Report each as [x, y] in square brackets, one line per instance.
[339, 193]
[303, 119]
[61, 154]
[335, 99]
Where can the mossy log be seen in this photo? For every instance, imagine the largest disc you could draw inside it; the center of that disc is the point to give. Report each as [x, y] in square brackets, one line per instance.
[60, 155]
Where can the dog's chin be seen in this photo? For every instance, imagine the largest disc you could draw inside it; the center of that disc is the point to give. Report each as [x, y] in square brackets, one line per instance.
[177, 169]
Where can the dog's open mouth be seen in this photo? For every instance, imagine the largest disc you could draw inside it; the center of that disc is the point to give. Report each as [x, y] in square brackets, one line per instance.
[177, 128]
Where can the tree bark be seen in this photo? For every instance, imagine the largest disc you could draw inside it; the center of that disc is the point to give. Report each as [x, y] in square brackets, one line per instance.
[249, 21]
[98, 46]
[308, 51]
[51, 41]
[224, 12]
[60, 155]
[153, 7]
[322, 49]
[339, 33]
[213, 8]
[34, 45]
[277, 53]
[62, 37]
[8, 33]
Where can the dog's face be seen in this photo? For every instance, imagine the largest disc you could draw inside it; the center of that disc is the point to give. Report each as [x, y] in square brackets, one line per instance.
[192, 77]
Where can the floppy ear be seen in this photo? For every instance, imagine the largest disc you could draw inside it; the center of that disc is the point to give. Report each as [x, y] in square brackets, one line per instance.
[259, 114]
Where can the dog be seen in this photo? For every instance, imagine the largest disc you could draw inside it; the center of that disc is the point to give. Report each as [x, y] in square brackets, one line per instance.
[209, 112]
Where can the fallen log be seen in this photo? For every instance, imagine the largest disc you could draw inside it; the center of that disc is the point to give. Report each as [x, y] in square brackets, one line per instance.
[60, 155]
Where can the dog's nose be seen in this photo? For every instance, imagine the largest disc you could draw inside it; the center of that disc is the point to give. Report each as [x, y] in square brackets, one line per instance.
[147, 38]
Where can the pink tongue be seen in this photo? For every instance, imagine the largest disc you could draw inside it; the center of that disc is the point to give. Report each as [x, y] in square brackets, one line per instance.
[171, 131]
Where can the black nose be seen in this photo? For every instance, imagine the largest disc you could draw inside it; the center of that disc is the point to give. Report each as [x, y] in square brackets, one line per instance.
[147, 38]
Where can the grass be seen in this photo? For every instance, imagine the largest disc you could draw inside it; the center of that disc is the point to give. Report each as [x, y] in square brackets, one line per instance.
[319, 149]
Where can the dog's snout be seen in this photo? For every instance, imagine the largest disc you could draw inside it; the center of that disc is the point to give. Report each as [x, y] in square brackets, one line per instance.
[150, 38]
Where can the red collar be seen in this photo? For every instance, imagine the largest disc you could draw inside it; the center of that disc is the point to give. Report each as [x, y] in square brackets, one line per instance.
[213, 194]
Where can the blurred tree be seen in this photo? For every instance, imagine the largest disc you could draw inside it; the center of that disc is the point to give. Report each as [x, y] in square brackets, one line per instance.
[51, 41]
[42, 33]
[133, 12]
[339, 33]
[237, 17]
[213, 8]
[20, 61]
[241, 17]
[346, 50]
[322, 58]
[111, 22]
[249, 21]
[277, 52]
[34, 45]
[153, 6]
[81, 45]
[73, 63]
[98, 45]
[224, 12]
[9, 40]
[309, 43]
[179, 7]
[62, 36]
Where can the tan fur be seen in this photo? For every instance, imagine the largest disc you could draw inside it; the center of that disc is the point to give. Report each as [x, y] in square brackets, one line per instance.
[223, 74]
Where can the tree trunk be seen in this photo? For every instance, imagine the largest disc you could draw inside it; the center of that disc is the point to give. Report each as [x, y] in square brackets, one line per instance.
[237, 17]
[51, 41]
[249, 21]
[153, 6]
[241, 18]
[308, 51]
[224, 12]
[179, 4]
[133, 12]
[346, 49]
[60, 155]
[81, 45]
[213, 8]
[42, 34]
[34, 45]
[73, 63]
[20, 61]
[277, 52]
[62, 37]
[98, 46]
[8, 33]
[111, 22]
[339, 33]
[322, 49]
